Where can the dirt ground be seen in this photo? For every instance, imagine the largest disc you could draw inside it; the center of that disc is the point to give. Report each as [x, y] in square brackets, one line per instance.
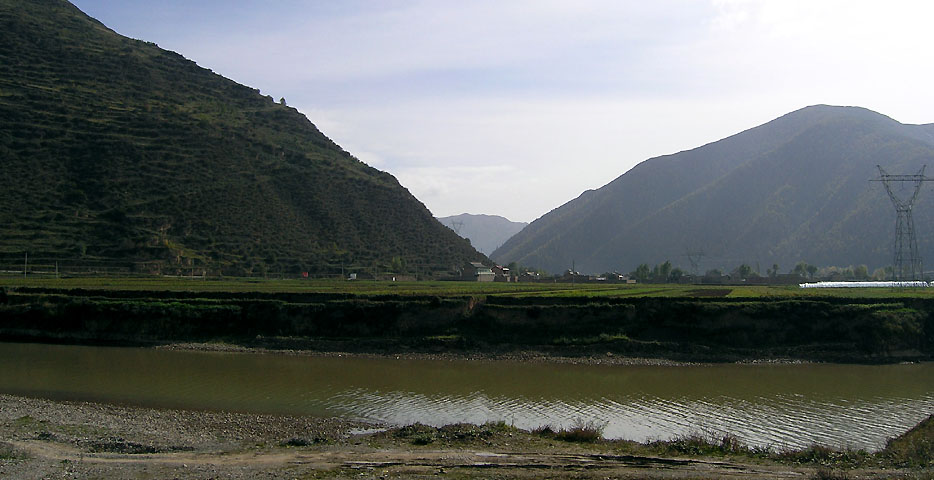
[52, 439]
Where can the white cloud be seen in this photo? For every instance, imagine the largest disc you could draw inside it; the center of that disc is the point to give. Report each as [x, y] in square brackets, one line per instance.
[515, 107]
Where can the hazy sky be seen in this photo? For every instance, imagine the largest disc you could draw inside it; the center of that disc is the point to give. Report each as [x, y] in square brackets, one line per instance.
[516, 107]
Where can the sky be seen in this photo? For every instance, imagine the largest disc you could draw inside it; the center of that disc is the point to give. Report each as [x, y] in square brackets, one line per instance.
[515, 107]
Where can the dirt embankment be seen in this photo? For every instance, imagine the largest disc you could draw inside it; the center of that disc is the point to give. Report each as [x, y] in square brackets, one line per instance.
[46, 439]
[678, 329]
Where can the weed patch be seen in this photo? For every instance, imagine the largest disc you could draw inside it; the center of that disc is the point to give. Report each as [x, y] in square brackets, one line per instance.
[582, 431]
[826, 456]
[304, 442]
[708, 443]
[419, 434]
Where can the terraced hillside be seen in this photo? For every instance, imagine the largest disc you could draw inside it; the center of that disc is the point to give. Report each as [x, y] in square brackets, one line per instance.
[116, 151]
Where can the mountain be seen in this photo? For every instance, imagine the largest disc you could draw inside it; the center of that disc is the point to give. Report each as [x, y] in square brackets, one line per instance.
[485, 232]
[117, 152]
[794, 189]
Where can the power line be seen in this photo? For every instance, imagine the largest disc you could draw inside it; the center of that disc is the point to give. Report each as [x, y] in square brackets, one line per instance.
[694, 258]
[909, 268]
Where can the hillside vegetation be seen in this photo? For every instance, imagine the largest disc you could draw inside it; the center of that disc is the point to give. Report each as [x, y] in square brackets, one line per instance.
[794, 189]
[117, 152]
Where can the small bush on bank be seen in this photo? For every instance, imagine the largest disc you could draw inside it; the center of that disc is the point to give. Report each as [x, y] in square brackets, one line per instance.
[581, 431]
[422, 439]
[304, 442]
[826, 456]
[708, 443]
[417, 433]
[544, 431]
[420, 434]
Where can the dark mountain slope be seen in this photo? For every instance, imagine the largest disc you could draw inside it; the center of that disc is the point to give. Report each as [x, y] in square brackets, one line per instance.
[793, 189]
[114, 149]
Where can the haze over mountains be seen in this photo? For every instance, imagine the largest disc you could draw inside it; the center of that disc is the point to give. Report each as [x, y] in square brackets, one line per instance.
[116, 150]
[485, 232]
[793, 189]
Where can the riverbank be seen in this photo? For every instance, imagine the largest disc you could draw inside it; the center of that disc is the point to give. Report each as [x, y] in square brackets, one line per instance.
[587, 327]
[43, 438]
[527, 356]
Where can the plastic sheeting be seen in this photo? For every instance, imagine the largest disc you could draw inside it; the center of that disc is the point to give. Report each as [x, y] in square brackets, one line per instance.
[864, 284]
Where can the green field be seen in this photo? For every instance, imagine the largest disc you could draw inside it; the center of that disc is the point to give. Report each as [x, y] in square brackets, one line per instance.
[454, 289]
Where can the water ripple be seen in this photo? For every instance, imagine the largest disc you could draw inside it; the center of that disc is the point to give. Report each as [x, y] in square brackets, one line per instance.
[782, 421]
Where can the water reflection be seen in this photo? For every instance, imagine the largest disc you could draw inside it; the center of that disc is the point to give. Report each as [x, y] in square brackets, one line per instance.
[776, 405]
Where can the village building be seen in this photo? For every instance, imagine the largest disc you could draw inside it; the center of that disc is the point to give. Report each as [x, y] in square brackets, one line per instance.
[502, 274]
[478, 272]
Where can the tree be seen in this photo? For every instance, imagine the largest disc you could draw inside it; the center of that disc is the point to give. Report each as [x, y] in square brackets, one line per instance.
[861, 272]
[397, 264]
[772, 272]
[801, 269]
[713, 273]
[743, 271]
[883, 273]
[641, 273]
[661, 272]
[812, 269]
[675, 275]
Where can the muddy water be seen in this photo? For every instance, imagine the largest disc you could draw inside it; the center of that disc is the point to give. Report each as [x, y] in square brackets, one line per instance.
[778, 405]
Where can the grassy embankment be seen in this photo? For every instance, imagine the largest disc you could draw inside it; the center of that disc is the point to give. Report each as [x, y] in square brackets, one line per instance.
[912, 449]
[912, 452]
[722, 323]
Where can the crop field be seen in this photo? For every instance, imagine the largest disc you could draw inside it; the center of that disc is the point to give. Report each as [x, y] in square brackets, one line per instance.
[454, 289]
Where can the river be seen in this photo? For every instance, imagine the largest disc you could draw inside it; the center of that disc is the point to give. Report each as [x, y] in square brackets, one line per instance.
[782, 406]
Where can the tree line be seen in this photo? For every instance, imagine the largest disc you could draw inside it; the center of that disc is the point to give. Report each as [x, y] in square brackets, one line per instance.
[665, 272]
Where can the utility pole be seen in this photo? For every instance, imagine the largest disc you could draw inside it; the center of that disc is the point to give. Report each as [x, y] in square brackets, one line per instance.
[694, 258]
[25, 264]
[907, 261]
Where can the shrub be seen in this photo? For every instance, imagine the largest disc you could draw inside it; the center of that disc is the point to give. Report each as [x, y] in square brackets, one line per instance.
[544, 431]
[826, 456]
[417, 433]
[708, 443]
[422, 439]
[581, 431]
[303, 442]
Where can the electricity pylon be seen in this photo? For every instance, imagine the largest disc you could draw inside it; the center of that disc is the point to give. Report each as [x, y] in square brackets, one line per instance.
[907, 264]
[694, 258]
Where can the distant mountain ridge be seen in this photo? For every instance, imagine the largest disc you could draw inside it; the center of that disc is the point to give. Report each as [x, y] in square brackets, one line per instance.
[485, 232]
[793, 189]
[114, 150]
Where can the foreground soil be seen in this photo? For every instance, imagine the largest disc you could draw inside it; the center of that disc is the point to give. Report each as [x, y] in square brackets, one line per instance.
[57, 439]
